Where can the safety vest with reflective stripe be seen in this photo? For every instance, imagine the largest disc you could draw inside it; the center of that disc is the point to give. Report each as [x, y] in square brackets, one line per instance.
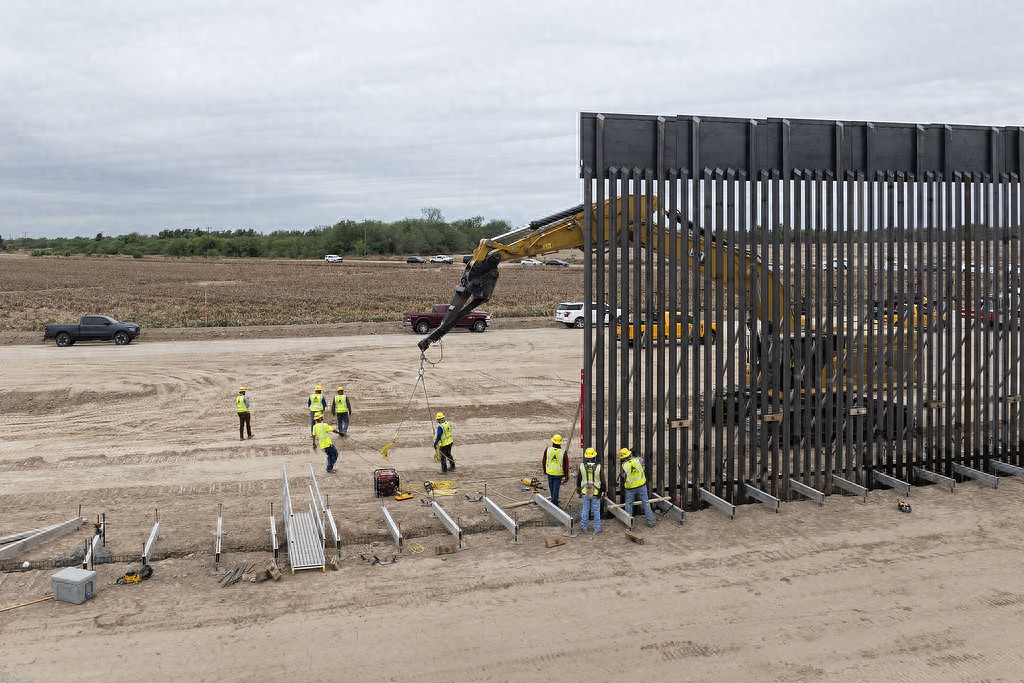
[553, 462]
[323, 433]
[635, 476]
[341, 403]
[590, 478]
[316, 403]
[240, 402]
[446, 434]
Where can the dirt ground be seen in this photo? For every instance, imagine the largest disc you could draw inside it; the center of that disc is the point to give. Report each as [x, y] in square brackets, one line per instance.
[852, 591]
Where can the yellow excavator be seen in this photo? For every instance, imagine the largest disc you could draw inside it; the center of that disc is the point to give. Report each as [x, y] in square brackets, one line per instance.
[564, 230]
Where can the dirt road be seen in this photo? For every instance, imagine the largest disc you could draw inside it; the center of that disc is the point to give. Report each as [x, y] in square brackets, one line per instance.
[852, 591]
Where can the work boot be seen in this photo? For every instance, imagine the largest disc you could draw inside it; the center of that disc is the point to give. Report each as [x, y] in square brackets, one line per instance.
[332, 471]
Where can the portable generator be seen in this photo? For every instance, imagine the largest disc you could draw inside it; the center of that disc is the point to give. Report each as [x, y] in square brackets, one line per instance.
[385, 482]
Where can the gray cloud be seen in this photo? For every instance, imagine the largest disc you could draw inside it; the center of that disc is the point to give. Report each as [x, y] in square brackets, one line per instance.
[125, 116]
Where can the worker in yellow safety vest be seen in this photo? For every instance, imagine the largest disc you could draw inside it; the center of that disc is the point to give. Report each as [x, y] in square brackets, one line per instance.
[556, 466]
[443, 441]
[316, 404]
[635, 483]
[342, 408]
[244, 414]
[590, 486]
[322, 438]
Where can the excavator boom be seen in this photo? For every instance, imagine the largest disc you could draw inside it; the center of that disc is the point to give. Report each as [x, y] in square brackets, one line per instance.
[564, 230]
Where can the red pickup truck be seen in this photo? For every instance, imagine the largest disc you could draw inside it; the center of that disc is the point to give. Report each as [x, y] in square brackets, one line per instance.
[422, 322]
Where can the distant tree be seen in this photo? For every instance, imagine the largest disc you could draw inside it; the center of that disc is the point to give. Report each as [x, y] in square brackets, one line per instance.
[99, 236]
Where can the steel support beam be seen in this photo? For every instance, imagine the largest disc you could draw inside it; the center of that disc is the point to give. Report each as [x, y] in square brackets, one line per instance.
[892, 482]
[935, 478]
[90, 553]
[769, 501]
[807, 491]
[334, 528]
[850, 487]
[449, 523]
[40, 537]
[720, 503]
[273, 536]
[503, 517]
[147, 550]
[560, 515]
[219, 533]
[1006, 468]
[392, 526]
[985, 478]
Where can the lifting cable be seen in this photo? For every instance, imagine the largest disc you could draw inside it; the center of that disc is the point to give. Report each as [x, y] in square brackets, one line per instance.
[420, 380]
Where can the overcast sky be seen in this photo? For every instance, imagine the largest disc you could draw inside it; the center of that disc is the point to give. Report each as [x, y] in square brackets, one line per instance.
[140, 116]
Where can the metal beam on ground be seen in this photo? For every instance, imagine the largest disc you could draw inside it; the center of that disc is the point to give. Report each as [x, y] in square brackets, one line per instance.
[850, 487]
[393, 528]
[620, 514]
[985, 478]
[807, 491]
[41, 536]
[563, 517]
[502, 516]
[769, 501]
[449, 523]
[935, 478]
[673, 511]
[18, 535]
[1006, 468]
[334, 529]
[714, 501]
[892, 482]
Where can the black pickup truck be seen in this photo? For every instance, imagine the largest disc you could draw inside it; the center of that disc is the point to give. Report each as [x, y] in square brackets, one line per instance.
[92, 328]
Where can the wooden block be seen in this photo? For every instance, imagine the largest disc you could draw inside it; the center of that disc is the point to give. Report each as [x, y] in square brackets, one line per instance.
[273, 571]
[446, 549]
[554, 541]
[639, 540]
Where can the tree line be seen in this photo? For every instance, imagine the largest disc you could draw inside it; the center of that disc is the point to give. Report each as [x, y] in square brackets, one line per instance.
[429, 234]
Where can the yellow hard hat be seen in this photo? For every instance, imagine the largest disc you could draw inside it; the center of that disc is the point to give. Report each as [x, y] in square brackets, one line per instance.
[625, 453]
[557, 439]
[241, 390]
[318, 416]
[439, 416]
[590, 453]
[318, 388]
[341, 389]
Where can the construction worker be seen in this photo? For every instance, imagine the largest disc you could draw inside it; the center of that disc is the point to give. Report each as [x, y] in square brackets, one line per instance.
[316, 404]
[635, 483]
[342, 408]
[322, 438]
[590, 486]
[244, 416]
[556, 466]
[443, 443]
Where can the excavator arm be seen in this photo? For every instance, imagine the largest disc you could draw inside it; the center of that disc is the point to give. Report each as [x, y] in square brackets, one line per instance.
[564, 230]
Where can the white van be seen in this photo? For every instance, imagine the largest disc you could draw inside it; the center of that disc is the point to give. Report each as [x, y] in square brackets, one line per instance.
[570, 313]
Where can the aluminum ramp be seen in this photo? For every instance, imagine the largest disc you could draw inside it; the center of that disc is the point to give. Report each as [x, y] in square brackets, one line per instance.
[305, 542]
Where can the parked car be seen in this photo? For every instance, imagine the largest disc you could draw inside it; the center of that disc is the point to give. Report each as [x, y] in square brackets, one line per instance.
[530, 262]
[333, 258]
[441, 258]
[93, 328]
[570, 314]
[415, 259]
[1000, 310]
[556, 262]
[422, 321]
[836, 264]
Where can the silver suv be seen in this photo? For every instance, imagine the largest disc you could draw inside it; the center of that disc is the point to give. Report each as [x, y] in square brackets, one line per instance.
[570, 313]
